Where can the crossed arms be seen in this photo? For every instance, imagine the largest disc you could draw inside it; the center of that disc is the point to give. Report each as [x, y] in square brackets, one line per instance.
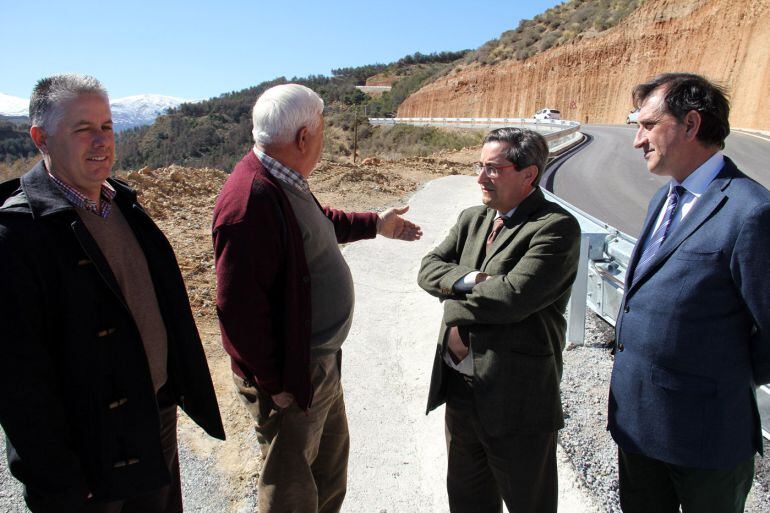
[538, 278]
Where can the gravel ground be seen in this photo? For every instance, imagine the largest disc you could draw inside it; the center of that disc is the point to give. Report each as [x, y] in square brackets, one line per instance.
[585, 439]
[10, 489]
[584, 389]
[203, 486]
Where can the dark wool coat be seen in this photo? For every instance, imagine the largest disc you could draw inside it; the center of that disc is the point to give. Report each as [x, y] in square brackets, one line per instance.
[77, 403]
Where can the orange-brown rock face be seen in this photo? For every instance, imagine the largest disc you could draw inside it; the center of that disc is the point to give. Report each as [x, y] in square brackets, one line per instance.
[591, 79]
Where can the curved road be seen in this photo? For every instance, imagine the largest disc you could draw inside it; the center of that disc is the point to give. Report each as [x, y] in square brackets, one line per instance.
[608, 178]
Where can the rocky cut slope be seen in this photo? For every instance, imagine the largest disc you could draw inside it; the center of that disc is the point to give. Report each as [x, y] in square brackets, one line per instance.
[590, 79]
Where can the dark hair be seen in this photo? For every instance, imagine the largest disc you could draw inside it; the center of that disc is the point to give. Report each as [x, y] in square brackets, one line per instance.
[686, 92]
[51, 92]
[525, 148]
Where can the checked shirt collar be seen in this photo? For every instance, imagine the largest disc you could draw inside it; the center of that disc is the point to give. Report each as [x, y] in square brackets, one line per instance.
[281, 172]
[77, 199]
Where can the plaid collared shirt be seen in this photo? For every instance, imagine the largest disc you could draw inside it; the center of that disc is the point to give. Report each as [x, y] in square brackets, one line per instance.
[77, 199]
[283, 173]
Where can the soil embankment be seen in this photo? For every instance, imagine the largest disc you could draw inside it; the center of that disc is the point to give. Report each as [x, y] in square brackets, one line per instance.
[591, 78]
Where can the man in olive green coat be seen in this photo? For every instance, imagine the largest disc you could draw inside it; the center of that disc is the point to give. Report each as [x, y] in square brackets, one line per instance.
[504, 274]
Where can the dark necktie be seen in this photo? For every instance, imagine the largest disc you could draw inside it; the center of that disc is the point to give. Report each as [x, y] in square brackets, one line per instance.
[661, 233]
[496, 227]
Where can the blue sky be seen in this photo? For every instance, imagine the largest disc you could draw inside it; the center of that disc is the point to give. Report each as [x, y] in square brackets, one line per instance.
[195, 49]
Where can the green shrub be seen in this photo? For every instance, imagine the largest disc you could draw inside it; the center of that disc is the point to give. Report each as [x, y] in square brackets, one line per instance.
[554, 27]
[404, 141]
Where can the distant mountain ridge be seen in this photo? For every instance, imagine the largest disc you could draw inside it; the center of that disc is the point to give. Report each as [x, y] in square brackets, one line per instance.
[128, 112]
[13, 106]
[142, 109]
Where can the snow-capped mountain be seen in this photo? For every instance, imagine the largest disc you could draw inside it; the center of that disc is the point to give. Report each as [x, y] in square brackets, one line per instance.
[13, 105]
[141, 109]
[127, 112]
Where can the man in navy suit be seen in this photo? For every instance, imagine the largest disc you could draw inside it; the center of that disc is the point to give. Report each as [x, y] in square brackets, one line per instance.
[693, 333]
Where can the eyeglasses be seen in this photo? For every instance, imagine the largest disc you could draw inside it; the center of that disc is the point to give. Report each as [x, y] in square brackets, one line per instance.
[489, 169]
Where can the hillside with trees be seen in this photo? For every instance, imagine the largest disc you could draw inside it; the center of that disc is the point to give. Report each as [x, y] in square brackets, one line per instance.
[217, 132]
[15, 142]
[569, 21]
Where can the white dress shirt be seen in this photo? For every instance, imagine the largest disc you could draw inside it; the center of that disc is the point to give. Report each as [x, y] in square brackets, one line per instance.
[695, 185]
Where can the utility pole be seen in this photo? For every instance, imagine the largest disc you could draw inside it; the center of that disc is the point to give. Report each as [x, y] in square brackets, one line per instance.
[355, 134]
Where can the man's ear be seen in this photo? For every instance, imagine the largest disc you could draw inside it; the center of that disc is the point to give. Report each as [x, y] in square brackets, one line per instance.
[301, 139]
[530, 174]
[39, 137]
[692, 121]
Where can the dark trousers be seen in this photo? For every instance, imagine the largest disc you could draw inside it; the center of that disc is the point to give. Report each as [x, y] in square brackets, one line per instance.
[167, 499]
[485, 471]
[305, 453]
[647, 484]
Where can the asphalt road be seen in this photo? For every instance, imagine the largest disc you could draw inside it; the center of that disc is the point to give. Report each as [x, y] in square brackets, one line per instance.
[608, 178]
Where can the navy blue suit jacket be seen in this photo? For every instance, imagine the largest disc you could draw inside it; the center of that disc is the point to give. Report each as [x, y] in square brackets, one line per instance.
[693, 332]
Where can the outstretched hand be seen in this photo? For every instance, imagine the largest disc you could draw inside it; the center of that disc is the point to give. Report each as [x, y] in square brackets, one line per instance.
[393, 226]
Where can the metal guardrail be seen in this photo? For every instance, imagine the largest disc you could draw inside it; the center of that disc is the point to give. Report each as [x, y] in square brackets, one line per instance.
[604, 255]
[476, 122]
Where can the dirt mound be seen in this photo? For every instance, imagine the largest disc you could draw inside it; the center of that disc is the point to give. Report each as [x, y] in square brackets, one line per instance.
[175, 189]
[374, 187]
[181, 200]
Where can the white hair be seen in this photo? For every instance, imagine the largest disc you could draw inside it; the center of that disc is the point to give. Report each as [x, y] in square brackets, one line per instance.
[282, 110]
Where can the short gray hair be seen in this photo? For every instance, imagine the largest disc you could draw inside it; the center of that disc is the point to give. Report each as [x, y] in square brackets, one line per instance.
[282, 110]
[50, 93]
[525, 148]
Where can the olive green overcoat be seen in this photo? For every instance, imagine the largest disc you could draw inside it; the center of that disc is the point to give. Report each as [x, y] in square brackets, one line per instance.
[515, 319]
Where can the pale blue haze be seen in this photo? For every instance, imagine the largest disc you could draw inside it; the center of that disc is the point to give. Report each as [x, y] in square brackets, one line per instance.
[197, 49]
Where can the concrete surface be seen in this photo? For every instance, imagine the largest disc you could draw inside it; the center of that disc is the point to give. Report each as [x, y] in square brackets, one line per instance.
[398, 454]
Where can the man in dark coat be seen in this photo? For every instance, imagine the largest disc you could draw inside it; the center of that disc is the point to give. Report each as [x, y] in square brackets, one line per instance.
[99, 344]
[693, 334]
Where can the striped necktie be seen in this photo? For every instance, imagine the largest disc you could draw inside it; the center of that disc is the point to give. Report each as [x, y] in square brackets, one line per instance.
[661, 233]
[496, 227]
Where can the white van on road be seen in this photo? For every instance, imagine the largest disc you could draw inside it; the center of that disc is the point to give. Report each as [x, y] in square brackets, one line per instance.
[547, 114]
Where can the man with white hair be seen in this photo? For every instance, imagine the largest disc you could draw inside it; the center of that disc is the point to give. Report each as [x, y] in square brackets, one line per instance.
[285, 301]
[99, 345]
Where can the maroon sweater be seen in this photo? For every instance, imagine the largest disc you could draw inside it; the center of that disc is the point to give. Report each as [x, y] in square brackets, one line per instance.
[263, 283]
